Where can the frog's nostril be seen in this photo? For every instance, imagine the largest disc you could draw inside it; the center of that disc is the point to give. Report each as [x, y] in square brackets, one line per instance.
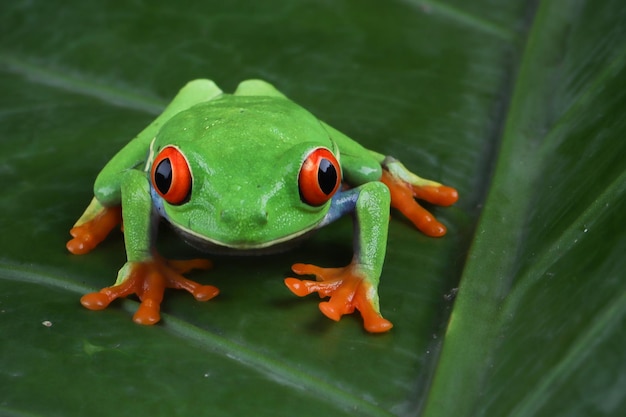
[261, 217]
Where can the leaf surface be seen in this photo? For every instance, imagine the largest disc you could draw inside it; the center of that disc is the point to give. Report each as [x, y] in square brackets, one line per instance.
[518, 105]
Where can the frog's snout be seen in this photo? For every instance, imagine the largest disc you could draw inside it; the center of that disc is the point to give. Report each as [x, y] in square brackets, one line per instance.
[245, 218]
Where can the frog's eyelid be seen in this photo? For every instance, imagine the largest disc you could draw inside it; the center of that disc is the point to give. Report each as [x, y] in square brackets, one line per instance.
[150, 157]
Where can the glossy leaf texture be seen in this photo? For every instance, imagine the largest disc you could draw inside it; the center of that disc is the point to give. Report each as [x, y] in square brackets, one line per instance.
[519, 310]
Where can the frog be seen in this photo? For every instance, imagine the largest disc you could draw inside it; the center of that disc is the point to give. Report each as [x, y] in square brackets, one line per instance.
[249, 173]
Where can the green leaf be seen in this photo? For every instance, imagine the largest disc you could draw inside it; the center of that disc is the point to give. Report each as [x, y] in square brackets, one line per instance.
[519, 105]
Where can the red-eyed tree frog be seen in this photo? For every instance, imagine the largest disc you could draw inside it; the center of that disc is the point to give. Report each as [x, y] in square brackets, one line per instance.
[248, 173]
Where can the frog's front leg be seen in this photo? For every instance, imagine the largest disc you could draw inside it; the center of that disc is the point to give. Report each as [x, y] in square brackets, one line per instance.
[148, 279]
[354, 286]
[145, 273]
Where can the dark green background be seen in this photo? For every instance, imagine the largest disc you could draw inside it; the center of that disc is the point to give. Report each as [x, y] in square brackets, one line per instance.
[519, 105]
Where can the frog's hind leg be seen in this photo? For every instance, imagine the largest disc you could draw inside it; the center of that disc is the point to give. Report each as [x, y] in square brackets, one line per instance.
[93, 227]
[404, 187]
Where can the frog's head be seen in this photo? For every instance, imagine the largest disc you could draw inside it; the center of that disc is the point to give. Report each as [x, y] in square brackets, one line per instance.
[244, 173]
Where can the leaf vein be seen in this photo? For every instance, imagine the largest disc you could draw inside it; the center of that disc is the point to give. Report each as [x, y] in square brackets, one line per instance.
[78, 84]
[597, 85]
[569, 238]
[465, 18]
[580, 349]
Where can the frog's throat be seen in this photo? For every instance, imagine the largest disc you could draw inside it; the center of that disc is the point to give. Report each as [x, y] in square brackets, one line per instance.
[215, 246]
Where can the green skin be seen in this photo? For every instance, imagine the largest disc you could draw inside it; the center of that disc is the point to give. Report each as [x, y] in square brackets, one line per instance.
[245, 151]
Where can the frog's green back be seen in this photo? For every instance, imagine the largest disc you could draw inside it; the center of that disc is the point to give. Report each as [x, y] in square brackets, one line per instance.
[240, 124]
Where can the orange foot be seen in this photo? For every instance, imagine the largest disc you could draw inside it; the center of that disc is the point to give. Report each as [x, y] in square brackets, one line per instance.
[149, 280]
[89, 234]
[403, 196]
[347, 289]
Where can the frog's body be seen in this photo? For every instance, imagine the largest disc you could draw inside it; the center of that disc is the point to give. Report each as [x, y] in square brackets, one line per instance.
[249, 172]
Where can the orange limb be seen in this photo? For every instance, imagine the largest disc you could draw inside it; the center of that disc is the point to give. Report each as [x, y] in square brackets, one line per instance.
[403, 195]
[348, 290]
[89, 234]
[148, 280]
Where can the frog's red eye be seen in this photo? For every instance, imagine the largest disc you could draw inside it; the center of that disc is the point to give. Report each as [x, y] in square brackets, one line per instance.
[319, 177]
[171, 176]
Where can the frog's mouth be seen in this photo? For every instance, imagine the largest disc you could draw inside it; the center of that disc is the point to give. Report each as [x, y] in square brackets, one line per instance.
[215, 247]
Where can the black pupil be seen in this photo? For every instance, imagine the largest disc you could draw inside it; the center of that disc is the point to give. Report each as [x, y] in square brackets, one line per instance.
[163, 176]
[327, 176]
